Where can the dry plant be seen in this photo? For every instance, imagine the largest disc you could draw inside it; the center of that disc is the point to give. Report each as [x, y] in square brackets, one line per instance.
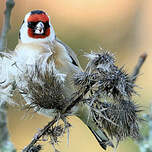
[104, 87]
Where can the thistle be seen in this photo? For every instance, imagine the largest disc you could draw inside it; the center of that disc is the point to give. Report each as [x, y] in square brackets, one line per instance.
[44, 91]
[106, 89]
[110, 96]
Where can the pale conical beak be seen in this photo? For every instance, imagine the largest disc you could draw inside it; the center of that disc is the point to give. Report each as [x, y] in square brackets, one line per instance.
[39, 29]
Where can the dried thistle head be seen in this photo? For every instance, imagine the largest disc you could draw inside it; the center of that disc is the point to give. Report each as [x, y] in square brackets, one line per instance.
[120, 120]
[102, 61]
[43, 90]
[116, 83]
[84, 78]
[109, 80]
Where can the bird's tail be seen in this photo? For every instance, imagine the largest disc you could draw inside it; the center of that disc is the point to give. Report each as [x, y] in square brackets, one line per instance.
[102, 138]
[83, 113]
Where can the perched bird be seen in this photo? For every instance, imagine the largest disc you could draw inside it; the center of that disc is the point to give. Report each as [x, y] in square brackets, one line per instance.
[37, 40]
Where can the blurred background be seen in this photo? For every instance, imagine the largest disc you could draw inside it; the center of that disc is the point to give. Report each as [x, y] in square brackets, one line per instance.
[121, 26]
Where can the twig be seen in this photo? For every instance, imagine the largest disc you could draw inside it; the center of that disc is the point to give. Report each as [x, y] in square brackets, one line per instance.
[78, 99]
[6, 23]
[40, 134]
[137, 68]
[5, 143]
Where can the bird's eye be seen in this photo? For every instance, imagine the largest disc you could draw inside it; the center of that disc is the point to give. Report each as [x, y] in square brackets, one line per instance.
[32, 24]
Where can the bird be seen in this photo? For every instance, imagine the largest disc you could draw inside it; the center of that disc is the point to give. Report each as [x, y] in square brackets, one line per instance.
[37, 39]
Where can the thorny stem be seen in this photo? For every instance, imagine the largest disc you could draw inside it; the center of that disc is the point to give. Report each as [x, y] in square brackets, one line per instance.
[6, 23]
[5, 143]
[78, 99]
[137, 68]
[40, 134]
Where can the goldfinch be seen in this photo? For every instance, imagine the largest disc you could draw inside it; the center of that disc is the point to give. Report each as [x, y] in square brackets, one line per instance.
[37, 42]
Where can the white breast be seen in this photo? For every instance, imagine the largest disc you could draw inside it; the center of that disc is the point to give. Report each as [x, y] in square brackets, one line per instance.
[26, 55]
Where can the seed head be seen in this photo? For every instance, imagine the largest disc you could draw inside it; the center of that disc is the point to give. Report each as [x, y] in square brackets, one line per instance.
[120, 120]
[117, 84]
[103, 61]
[43, 90]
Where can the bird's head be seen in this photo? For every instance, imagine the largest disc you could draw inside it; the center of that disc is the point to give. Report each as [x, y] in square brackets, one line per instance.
[36, 27]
